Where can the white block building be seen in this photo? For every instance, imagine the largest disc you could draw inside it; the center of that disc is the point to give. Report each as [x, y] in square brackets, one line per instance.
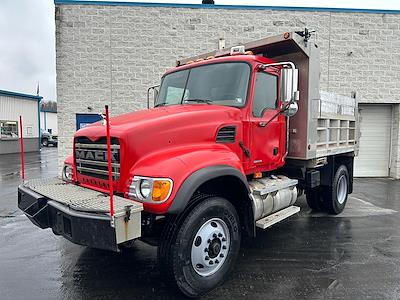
[111, 52]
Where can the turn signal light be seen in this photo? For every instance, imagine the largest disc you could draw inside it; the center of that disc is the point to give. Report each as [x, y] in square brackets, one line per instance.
[161, 190]
[257, 175]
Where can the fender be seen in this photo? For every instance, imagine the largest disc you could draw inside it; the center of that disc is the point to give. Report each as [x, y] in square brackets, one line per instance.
[69, 160]
[194, 181]
[188, 167]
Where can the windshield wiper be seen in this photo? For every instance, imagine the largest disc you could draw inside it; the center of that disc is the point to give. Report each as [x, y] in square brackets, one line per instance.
[160, 104]
[198, 101]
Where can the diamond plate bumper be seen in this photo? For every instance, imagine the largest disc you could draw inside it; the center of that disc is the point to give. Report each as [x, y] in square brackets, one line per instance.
[79, 214]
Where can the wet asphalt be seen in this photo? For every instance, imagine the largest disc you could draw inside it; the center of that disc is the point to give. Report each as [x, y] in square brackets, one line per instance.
[355, 255]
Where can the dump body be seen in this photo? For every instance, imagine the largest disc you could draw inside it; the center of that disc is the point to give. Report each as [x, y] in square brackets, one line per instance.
[325, 124]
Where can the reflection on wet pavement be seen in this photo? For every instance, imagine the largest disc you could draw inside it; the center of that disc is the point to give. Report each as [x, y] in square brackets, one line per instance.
[352, 256]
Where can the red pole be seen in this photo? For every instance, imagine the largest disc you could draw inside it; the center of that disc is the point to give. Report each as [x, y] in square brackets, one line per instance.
[110, 178]
[21, 141]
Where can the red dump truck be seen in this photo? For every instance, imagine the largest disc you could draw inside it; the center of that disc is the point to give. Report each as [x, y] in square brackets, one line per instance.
[234, 137]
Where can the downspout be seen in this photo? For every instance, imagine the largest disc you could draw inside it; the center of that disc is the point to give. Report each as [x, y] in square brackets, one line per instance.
[39, 133]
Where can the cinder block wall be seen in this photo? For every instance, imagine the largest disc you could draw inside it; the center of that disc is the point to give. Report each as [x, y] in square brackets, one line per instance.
[112, 54]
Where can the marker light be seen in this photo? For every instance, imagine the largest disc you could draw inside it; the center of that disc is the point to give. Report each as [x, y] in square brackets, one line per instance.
[237, 50]
[67, 173]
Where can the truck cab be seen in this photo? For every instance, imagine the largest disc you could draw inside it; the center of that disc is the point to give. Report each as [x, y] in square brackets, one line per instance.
[232, 140]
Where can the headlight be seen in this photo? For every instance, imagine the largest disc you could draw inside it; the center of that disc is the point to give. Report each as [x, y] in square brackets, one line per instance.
[145, 188]
[150, 189]
[67, 173]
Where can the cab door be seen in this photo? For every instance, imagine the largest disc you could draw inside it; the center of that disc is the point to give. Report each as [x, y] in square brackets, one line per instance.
[268, 138]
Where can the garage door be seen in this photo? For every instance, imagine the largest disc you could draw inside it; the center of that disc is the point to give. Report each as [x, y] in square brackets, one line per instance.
[374, 151]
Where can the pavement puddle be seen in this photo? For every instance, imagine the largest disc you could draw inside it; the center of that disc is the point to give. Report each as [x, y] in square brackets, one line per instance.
[357, 207]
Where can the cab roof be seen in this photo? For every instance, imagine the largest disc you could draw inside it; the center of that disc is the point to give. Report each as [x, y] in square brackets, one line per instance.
[250, 59]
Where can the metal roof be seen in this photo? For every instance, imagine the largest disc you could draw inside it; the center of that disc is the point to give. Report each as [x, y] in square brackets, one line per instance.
[21, 95]
[218, 6]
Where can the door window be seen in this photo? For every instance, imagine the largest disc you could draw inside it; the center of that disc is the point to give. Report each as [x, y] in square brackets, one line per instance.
[265, 93]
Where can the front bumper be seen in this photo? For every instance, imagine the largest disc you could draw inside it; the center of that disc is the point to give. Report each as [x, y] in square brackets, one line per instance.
[79, 224]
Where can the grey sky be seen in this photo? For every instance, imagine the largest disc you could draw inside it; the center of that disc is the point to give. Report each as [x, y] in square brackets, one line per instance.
[27, 37]
[27, 47]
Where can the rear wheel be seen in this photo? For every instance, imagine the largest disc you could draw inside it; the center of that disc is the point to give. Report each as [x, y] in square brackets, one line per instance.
[198, 252]
[45, 142]
[335, 196]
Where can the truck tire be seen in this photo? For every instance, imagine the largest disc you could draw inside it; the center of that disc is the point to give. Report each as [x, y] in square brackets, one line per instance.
[198, 251]
[314, 198]
[335, 196]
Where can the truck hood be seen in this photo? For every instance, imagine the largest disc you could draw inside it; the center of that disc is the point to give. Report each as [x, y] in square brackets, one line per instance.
[163, 121]
[143, 134]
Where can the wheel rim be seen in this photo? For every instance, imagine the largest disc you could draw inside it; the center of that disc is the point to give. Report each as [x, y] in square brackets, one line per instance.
[210, 247]
[341, 190]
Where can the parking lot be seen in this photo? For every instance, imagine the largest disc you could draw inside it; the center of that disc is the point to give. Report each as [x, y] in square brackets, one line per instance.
[355, 255]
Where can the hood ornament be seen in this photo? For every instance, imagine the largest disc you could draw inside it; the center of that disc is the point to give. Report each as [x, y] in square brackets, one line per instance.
[103, 118]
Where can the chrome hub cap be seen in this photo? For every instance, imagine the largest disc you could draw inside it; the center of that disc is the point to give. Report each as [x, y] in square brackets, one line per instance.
[341, 189]
[210, 247]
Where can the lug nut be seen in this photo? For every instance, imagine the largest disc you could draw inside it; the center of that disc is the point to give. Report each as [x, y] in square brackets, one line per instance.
[217, 261]
[219, 234]
[214, 235]
[206, 250]
[211, 262]
[224, 247]
[209, 241]
[224, 239]
[207, 258]
[221, 255]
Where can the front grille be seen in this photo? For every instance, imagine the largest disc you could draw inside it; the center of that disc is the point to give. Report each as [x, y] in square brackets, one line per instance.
[91, 157]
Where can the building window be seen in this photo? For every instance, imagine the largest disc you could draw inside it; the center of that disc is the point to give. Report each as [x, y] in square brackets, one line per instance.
[9, 130]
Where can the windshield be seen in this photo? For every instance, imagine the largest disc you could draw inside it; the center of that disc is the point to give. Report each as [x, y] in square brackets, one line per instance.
[221, 84]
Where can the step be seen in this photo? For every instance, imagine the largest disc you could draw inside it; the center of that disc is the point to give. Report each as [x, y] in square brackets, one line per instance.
[277, 217]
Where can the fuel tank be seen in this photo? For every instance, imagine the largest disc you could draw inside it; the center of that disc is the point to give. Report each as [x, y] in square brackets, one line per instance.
[272, 194]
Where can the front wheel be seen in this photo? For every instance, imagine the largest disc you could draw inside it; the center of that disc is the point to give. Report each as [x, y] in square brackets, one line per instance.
[198, 254]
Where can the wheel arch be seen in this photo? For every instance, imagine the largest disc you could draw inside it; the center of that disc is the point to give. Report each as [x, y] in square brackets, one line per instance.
[211, 181]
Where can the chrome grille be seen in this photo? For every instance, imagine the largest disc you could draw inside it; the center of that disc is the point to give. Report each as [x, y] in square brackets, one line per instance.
[91, 157]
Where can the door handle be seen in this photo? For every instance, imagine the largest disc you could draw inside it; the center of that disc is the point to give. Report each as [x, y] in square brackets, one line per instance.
[262, 124]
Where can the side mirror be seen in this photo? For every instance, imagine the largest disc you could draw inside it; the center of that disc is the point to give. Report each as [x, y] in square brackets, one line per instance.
[155, 95]
[289, 79]
[292, 109]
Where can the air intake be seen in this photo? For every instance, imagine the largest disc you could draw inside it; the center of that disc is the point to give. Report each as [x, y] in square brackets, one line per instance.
[226, 134]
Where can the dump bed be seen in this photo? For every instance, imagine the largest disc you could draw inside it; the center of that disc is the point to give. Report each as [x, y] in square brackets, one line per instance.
[325, 123]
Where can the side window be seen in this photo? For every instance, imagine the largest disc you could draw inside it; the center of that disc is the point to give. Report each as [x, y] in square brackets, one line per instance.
[265, 93]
